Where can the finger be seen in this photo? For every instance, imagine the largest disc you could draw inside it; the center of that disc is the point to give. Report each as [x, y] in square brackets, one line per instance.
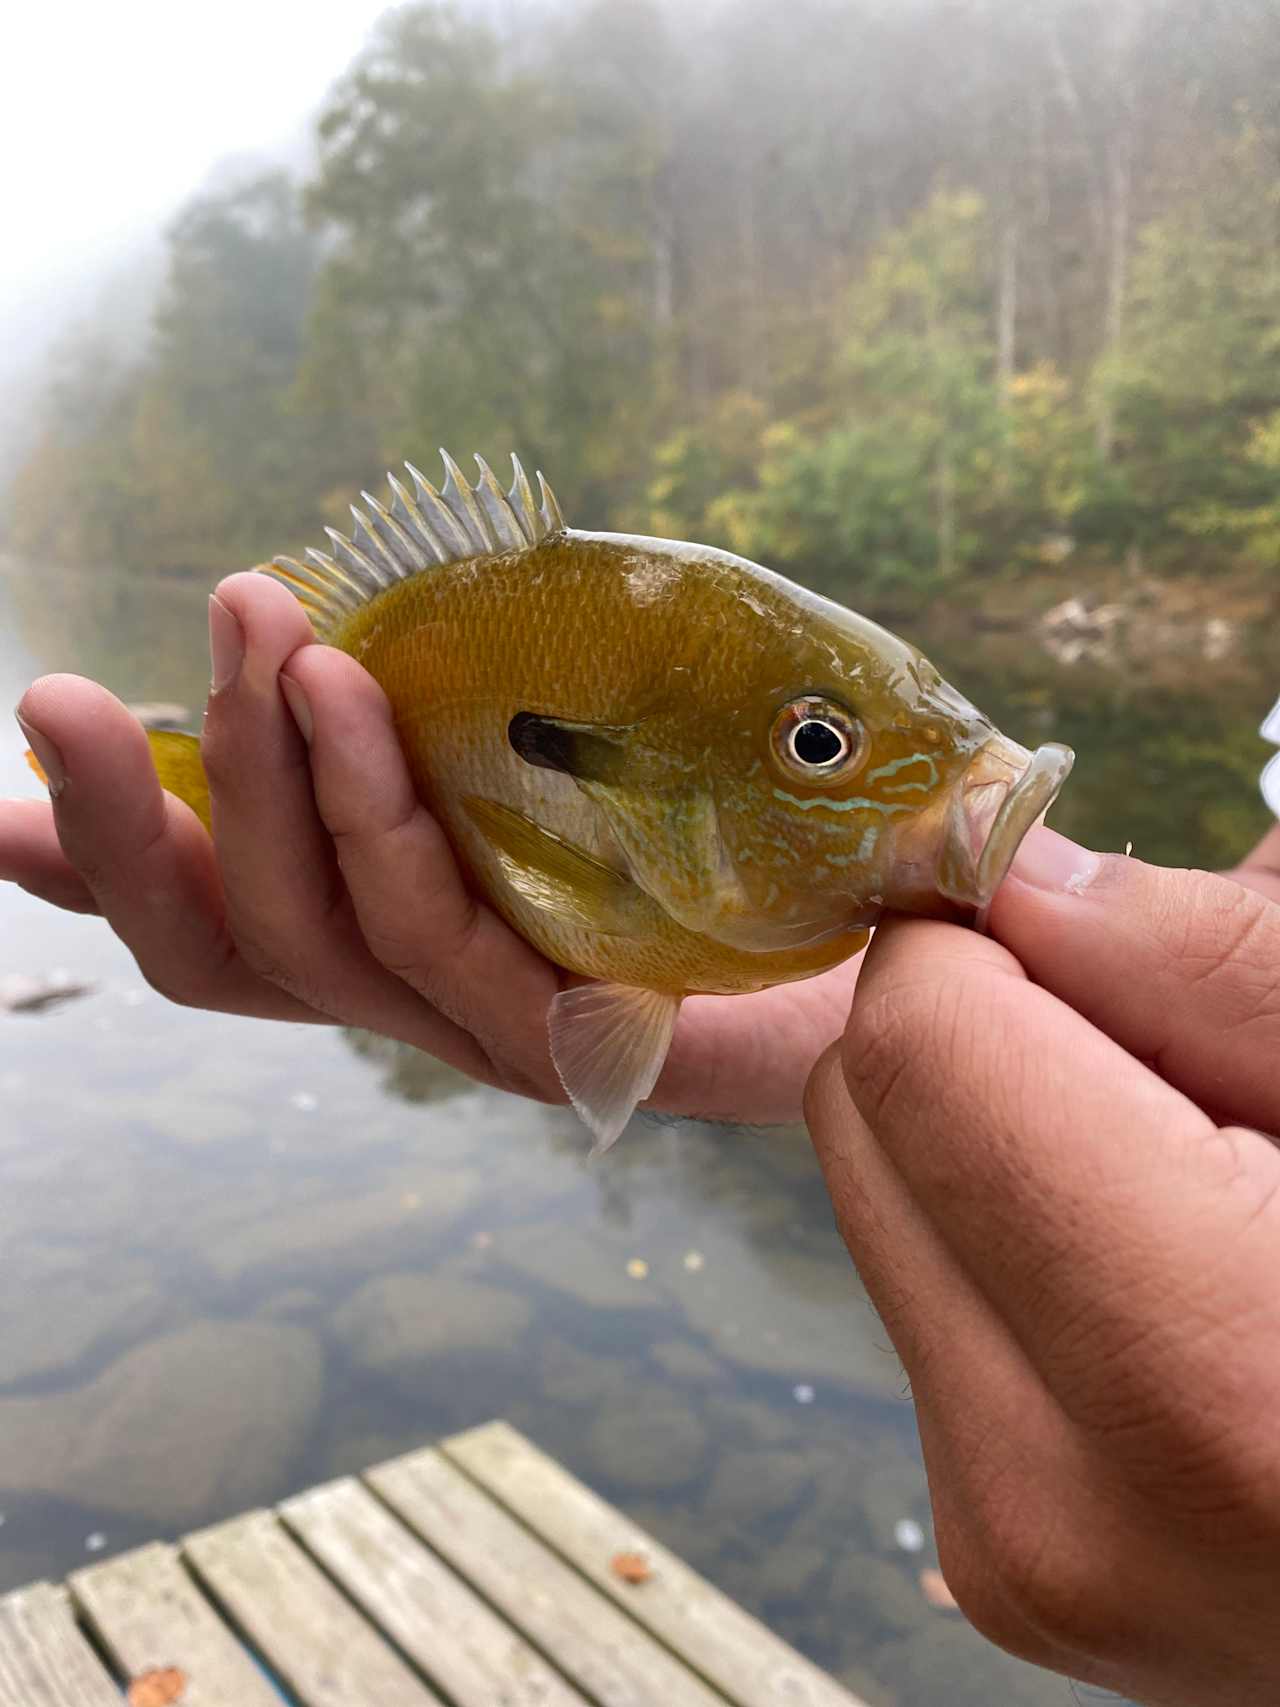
[1123, 1238]
[31, 857]
[746, 1058]
[287, 906]
[142, 855]
[996, 1445]
[1182, 968]
[413, 910]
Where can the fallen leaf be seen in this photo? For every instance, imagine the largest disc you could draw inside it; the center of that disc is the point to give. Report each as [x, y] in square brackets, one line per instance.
[934, 1588]
[157, 1688]
[631, 1567]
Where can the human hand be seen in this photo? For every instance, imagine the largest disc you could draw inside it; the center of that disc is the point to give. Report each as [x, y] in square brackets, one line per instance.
[1046, 1156]
[1260, 870]
[328, 893]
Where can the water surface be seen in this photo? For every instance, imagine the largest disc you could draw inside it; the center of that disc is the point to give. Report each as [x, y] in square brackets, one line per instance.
[239, 1258]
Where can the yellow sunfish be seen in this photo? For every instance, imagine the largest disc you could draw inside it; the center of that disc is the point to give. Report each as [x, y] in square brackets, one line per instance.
[668, 768]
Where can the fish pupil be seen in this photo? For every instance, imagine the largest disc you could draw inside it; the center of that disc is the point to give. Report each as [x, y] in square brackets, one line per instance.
[815, 743]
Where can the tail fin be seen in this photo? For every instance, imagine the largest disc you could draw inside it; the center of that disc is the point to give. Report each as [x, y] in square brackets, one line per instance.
[177, 761]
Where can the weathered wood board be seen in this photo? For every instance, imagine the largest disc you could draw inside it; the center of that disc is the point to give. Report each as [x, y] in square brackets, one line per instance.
[737, 1653]
[479, 1573]
[600, 1648]
[308, 1632]
[44, 1659]
[149, 1615]
[462, 1645]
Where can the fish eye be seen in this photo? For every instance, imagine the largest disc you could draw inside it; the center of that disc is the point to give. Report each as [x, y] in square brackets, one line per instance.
[815, 739]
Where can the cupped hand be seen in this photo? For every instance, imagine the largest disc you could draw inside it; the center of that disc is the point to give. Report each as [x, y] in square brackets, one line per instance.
[328, 893]
[1047, 1156]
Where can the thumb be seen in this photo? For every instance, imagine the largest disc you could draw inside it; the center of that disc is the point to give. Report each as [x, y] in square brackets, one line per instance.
[1182, 968]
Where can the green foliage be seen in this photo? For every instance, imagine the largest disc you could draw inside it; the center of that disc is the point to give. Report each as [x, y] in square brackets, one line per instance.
[1195, 385]
[882, 315]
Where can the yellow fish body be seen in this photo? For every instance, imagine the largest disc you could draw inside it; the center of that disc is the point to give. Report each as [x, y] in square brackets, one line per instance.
[667, 768]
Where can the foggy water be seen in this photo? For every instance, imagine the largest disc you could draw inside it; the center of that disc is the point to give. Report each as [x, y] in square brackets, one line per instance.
[238, 1258]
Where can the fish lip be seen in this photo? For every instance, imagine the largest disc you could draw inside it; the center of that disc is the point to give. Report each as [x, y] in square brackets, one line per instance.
[1005, 791]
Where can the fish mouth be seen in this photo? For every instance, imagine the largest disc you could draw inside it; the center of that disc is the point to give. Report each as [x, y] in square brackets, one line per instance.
[1004, 792]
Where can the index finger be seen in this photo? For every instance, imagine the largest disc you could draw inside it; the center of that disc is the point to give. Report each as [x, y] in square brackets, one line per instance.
[1118, 1232]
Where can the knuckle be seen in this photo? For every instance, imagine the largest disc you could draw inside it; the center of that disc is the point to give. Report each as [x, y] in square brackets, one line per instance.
[193, 983]
[1233, 939]
[1031, 1581]
[521, 1082]
[267, 961]
[891, 1030]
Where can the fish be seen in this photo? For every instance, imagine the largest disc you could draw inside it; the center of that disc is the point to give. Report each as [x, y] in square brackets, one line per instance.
[671, 770]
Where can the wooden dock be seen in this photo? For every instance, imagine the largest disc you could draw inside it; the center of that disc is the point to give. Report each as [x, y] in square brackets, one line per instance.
[476, 1574]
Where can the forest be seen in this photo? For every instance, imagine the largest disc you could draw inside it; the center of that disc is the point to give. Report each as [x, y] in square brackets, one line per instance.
[898, 295]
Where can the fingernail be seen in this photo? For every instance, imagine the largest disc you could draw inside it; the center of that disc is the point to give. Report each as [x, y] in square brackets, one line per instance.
[298, 705]
[1047, 860]
[226, 643]
[50, 759]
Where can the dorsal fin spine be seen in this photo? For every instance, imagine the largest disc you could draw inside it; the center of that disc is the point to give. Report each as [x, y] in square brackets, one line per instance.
[457, 541]
[354, 561]
[416, 534]
[396, 540]
[551, 517]
[501, 516]
[367, 541]
[410, 517]
[458, 494]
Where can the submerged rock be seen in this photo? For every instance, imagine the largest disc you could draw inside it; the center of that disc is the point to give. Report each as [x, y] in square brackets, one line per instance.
[647, 1440]
[793, 1314]
[750, 1485]
[682, 1360]
[347, 1232]
[572, 1261]
[571, 1376]
[67, 1317]
[184, 1428]
[400, 1321]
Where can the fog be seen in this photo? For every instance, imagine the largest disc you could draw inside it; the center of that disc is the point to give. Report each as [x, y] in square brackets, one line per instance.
[113, 115]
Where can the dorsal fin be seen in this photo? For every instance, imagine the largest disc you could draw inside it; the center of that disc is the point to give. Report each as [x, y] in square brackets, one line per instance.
[389, 543]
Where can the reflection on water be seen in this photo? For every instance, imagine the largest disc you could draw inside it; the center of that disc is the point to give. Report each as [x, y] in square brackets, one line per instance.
[239, 1258]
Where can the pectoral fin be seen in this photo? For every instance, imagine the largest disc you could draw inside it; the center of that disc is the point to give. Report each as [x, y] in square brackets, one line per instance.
[667, 826]
[608, 1042]
[557, 876]
[587, 752]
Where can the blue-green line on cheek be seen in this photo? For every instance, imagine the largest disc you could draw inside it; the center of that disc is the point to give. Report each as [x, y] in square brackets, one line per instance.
[838, 805]
[896, 765]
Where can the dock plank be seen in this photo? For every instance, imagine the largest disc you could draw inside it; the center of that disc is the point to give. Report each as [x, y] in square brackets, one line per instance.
[736, 1652]
[307, 1631]
[44, 1659]
[149, 1614]
[461, 1644]
[607, 1654]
